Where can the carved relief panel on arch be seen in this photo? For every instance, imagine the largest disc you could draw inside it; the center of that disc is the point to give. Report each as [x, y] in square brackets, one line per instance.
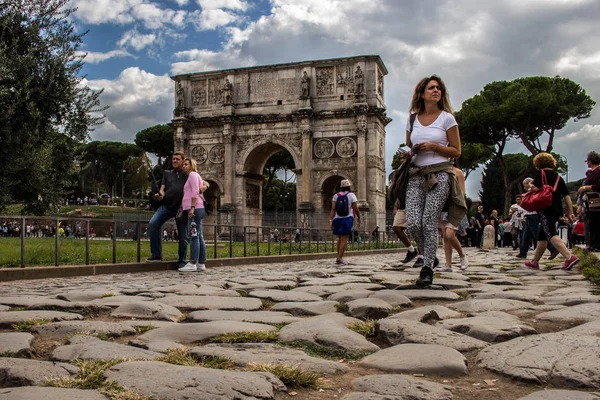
[199, 93]
[344, 79]
[325, 81]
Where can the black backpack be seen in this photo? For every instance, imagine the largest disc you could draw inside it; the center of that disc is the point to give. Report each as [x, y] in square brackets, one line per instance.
[341, 205]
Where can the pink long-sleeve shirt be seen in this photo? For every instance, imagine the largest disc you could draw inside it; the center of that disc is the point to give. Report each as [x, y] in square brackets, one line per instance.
[191, 190]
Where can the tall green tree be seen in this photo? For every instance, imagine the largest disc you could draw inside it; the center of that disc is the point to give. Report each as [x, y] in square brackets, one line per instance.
[279, 161]
[138, 171]
[45, 109]
[527, 109]
[109, 160]
[157, 140]
[492, 184]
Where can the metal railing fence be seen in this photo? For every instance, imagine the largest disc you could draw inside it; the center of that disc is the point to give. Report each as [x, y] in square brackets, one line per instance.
[226, 241]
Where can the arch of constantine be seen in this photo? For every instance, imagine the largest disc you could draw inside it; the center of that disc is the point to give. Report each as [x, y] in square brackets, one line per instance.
[328, 114]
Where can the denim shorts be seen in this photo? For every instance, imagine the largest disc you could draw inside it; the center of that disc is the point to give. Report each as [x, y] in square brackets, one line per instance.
[342, 226]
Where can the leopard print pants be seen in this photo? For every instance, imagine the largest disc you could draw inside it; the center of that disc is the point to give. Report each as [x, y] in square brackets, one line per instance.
[423, 209]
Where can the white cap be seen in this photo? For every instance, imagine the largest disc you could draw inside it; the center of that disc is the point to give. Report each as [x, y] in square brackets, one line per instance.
[345, 183]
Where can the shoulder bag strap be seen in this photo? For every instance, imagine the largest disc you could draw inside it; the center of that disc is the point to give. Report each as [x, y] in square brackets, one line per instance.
[413, 116]
[558, 178]
[544, 181]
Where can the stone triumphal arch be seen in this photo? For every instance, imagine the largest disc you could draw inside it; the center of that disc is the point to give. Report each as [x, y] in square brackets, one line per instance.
[328, 114]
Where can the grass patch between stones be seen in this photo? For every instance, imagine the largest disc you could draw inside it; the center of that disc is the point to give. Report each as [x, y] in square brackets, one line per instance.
[109, 294]
[365, 328]
[290, 376]
[99, 335]
[343, 308]
[242, 293]
[216, 362]
[144, 328]
[246, 337]
[179, 356]
[91, 376]
[26, 326]
[463, 294]
[266, 304]
[589, 265]
[314, 350]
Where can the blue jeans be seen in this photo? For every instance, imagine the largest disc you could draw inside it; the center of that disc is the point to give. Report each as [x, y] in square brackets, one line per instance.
[162, 215]
[197, 244]
[531, 233]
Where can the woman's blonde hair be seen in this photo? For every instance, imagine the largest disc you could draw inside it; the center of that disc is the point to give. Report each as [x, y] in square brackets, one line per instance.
[544, 160]
[193, 166]
[417, 105]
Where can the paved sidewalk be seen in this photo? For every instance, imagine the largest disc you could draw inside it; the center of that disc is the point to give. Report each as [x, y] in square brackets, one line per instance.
[494, 331]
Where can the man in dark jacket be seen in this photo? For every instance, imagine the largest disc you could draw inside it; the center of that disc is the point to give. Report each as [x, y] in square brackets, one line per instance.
[170, 194]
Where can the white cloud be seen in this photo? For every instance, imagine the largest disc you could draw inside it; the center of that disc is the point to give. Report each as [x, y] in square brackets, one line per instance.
[220, 4]
[585, 133]
[137, 100]
[213, 18]
[151, 15]
[93, 57]
[136, 40]
[181, 3]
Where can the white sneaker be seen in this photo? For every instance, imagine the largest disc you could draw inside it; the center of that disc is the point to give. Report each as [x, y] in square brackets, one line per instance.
[201, 267]
[443, 268]
[464, 263]
[188, 268]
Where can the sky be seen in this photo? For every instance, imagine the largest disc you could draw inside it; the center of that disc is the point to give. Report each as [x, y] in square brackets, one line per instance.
[134, 46]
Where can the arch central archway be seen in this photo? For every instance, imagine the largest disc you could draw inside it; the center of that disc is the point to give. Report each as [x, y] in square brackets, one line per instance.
[252, 179]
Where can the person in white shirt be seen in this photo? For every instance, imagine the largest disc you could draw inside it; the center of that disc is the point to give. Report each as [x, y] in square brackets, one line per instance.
[341, 218]
[433, 135]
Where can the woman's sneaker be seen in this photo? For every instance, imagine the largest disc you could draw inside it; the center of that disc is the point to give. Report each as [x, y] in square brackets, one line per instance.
[419, 263]
[570, 263]
[410, 255]
[425, 277]
[532, 265]
[464, 263]
[200, 267]
[189, 267]
[443, 268]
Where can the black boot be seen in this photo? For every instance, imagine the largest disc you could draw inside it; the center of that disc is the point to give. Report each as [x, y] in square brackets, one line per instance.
[425, 277]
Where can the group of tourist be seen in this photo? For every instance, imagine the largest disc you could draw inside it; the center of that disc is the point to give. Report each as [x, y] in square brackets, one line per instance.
[432, 200]
[181, 197]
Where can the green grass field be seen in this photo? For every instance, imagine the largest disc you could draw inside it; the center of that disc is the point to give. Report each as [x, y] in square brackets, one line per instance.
[40, 251]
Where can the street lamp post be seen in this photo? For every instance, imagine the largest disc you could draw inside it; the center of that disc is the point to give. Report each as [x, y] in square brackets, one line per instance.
[123, 185]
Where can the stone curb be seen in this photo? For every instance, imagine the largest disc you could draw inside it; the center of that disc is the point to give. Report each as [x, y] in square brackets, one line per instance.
[16, 273]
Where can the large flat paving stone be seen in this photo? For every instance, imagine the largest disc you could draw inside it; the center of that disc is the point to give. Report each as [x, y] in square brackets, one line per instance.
[482, 305]
[397, 387]
[49, 393]
[521, 295]
[284, 295]
[334, 280]
[427, 294]
[181, 287]
[328, 331]
[92, 348]
[398, 331]
[556, 359]
[8, 318]
[428, 359]
[428, 313]
[15, 343]
[589, 328]
[320, 291]
[245, 353]
[62, 329]
[558, 394]
[346, 296]
[206, 290]
[306, 308]
[23, 301]
[200, 331]
[259, 284]
[84, 307]
[369, 308]
[148, 310]
[392, 297]
[267, 317]
[581, 313]
[24, 372]
[116, 301]
[212, 303]
[83, 295]
[166, 381]
[571, 299]
[492, 326]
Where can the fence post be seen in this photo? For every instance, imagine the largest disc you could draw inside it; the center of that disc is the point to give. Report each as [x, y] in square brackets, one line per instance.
[269, 243]
[23, 242]
[87, 242]
[114, 242]
[56, 243]
[138, 241]
[215, 242]
[257, 243]
[230, 241]
[244, 241]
